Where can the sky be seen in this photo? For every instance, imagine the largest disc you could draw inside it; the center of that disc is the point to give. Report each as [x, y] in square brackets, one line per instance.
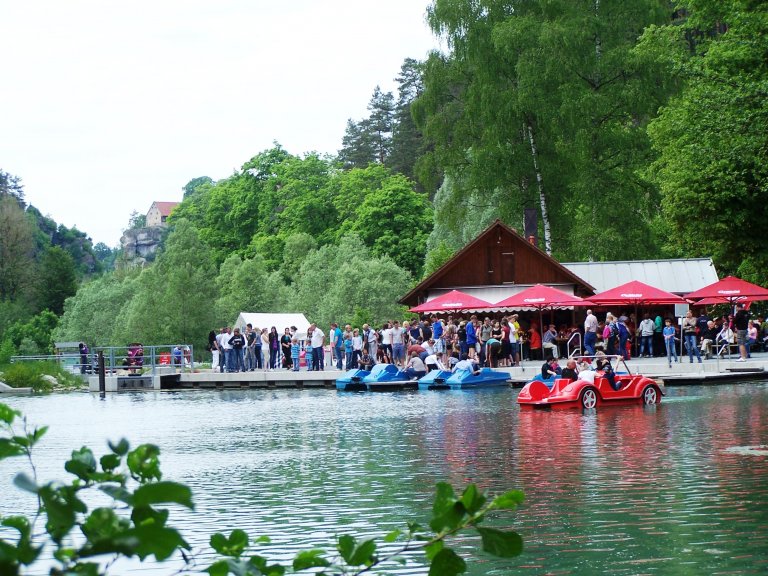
[107, 106]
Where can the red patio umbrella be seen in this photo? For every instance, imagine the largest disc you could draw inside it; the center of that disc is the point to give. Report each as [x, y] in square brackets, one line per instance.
[540, 297]
[454, 300]
[635, 293]
[729, 290]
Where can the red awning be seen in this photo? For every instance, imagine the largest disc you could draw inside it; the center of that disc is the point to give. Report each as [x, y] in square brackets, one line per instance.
[635, 293]
[731, 290]
[539, 297]
[452, 301]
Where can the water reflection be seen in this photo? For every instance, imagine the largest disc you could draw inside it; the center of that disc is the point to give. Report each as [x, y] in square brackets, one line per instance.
[624, 490]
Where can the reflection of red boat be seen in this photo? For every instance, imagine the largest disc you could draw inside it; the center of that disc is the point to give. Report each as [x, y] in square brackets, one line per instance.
[592, 389]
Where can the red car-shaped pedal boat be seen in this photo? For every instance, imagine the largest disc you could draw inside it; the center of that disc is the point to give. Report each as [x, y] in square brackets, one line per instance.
[592, 391]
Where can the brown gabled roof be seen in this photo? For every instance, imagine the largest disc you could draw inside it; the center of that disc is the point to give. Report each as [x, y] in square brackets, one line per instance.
[434, 278]
[165, 207]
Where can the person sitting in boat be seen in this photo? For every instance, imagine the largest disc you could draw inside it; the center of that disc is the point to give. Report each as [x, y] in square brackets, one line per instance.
[416, 368]
[601, 360]
[366, 361]
[432, 362]
[550, 368]
[571, 372]
[466, 364]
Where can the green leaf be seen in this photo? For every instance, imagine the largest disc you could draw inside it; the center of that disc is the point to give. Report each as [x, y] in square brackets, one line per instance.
[82, 464]
[508, 501]
[144, 464]
[9, 448]
[473, 499]
[7, 414]
[146, 516]
[500, 543]
[109, 462]
[346, 546]
[220, 568]
[163, 492]
[432, 549]
[61, 506]
[152, 540]
[444, 499]
[103, 524]
[234, 546]
[393, 536]
[364, 553]
[310, 559]
[447, 563]
[38, 433]
[121, 448]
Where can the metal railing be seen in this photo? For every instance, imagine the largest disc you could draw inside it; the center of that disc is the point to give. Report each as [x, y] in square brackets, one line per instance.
[133, 358]
[137, 359]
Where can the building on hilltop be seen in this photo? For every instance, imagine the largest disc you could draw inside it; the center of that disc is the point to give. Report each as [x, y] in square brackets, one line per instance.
[158, 213]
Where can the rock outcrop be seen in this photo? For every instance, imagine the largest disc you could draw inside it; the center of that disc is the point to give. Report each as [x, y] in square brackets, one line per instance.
[140, 244]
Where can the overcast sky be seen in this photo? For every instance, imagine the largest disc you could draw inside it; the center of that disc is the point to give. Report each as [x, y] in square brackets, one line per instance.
[106, 106]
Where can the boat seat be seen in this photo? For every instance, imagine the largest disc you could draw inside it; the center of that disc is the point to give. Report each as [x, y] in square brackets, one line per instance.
[560, 383]
[538, 390]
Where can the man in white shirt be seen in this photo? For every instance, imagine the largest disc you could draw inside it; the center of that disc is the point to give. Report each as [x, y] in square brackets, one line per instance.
[646, 336]
[318, 350]
[386, 342]
[590, 333]
[398, 344]
[225, 359]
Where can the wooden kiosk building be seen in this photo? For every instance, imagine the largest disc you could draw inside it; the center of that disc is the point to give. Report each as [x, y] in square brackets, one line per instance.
[497, 264]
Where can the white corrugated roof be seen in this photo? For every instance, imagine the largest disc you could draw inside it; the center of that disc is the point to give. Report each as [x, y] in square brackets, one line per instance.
[681, 276]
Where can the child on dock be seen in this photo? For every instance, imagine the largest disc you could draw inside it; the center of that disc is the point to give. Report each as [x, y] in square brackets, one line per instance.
[295, 350]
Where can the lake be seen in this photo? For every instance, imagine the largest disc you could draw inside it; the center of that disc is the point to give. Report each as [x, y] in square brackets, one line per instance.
[676, 488]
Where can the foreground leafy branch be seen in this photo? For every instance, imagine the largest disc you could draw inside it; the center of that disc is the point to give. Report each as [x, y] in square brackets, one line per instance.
[135, 525]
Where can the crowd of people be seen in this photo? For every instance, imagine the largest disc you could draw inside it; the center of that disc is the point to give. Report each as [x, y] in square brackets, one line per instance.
[422, 344]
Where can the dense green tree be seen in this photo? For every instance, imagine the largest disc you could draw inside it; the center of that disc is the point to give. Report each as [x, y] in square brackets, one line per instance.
[357, 146]
[11, 185]
[381, 123]
[137, 220]
[16, 250]
[297, 247]
[193, 185]
[395, 220]
[174, 298]
[407, 140]
[339, 283]
[712, 163]
[93, 315]
[56, 280]
[105, 255]
[541, 103]
[34, 336]
[242, 287]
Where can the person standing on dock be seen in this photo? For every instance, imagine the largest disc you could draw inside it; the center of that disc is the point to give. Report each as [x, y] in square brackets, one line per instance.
[237, 342]
[689, 333]
[590, 333]
[337, 345]
[741, 322]
[646, 336]
[669, 341]
[295, 352]
[318, 347]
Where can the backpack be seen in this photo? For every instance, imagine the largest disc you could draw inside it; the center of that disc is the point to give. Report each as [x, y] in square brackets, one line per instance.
[623, 331]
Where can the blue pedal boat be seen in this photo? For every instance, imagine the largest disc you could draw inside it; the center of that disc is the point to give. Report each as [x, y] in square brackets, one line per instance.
[388, 377]
[435, 380]
[352, 381]
[466, 379]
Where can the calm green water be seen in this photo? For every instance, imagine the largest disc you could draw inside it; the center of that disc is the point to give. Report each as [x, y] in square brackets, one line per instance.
[662, 490]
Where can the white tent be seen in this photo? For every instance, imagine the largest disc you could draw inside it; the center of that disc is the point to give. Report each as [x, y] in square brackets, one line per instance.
[279, 320]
